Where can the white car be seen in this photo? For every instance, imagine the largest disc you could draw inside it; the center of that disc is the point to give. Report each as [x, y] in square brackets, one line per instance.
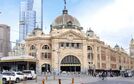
[30, 74]
[20, 75]
[8, 76]
[13, 76]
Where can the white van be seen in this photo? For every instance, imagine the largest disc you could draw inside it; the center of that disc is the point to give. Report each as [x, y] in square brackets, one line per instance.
[30, 74]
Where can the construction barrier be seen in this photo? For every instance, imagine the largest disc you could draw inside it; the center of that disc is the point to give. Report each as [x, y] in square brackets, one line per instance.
[59, 81]
[36, 79]
[72, 80]
[9, 80]
[43, 81]
[54, 77]
[46, 77]
[24, 81]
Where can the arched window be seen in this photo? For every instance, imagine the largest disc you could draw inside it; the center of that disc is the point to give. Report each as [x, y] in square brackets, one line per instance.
[89, 48]
[45, 55]
[32, 54]
[70, 60]
[32, 47]
[90, 56]
[90, 53]
[46, 47]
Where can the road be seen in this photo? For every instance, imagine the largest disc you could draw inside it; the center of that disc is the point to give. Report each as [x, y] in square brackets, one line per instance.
[111, 82]
[80, 80]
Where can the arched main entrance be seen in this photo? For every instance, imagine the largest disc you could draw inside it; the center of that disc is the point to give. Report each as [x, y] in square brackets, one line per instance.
[45, 68]
[70, 64]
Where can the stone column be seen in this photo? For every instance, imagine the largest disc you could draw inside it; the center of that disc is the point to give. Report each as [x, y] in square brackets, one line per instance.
[38, 68]
[27, 67]
[84, 57]
[55, 50]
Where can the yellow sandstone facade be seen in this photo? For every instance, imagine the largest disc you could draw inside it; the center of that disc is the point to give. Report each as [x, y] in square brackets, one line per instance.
[68, 48]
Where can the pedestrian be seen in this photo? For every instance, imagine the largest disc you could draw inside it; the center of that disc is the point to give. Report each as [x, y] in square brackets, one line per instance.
[103, 75]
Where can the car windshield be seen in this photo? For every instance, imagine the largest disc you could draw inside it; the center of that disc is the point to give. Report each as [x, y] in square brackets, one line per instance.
[8, 73]
[26, 72]
[19, 73]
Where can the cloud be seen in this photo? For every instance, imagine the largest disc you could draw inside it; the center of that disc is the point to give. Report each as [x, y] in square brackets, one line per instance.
[113, 22]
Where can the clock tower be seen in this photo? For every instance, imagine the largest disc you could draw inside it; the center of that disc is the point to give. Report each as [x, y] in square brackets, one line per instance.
[132, 47]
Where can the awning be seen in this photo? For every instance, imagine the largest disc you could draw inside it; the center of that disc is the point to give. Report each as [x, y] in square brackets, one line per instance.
[70, 64]
[26, 58]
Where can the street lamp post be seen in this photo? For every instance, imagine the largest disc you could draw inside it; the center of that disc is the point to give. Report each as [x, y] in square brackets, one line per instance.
[94, 69]
[37, 62]
[58, 52]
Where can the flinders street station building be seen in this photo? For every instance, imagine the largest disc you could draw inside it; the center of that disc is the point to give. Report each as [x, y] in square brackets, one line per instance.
[68, 48]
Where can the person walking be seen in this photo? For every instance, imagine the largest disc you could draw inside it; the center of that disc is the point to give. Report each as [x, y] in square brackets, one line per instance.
[103, 75]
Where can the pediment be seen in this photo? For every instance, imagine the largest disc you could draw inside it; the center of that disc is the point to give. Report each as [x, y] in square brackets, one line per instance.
[70, 35]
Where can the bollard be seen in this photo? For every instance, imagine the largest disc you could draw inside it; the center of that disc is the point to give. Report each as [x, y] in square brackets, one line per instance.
[46, 77]
[24, 82]
[9, 80]
[54, 77]
[43, 81]
[25, 79]
[36, 79]
[59, 81]
[72, 80]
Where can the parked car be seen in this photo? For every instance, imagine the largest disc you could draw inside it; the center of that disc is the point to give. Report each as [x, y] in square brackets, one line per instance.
[30, 74]
[13, 76]
[8, 76]
[20, 75]
[128, 73]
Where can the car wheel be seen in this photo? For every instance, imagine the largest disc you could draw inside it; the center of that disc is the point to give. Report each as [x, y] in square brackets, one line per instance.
[17, 80]
[4, 81]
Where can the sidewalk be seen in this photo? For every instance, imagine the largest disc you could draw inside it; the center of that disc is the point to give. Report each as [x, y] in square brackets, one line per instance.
[67, 79]
[64, 80]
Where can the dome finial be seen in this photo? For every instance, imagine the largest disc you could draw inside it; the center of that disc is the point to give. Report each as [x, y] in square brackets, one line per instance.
[65, 10]
[64, 4]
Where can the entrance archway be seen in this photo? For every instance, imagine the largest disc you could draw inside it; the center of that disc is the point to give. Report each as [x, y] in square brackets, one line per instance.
[70, 63]
[45, 68]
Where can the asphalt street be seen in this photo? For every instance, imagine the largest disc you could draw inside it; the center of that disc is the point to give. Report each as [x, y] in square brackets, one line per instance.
[111, 82]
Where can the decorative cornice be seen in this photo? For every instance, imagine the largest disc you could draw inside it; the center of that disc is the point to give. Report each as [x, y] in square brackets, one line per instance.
[82, 37]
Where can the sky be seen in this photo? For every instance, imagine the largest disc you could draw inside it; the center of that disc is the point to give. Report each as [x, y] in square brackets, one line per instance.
[111, 20]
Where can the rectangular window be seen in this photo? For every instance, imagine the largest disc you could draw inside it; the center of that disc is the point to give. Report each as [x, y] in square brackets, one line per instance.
[62, 45]
[98, 49]
[72, 44]
[103, 57]
[42, 55]
[98, 64]
[67, 44]
[103, 65]
[77, 45]
[98, 56]
[49, 55]
[88, 55]
[45, 55]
